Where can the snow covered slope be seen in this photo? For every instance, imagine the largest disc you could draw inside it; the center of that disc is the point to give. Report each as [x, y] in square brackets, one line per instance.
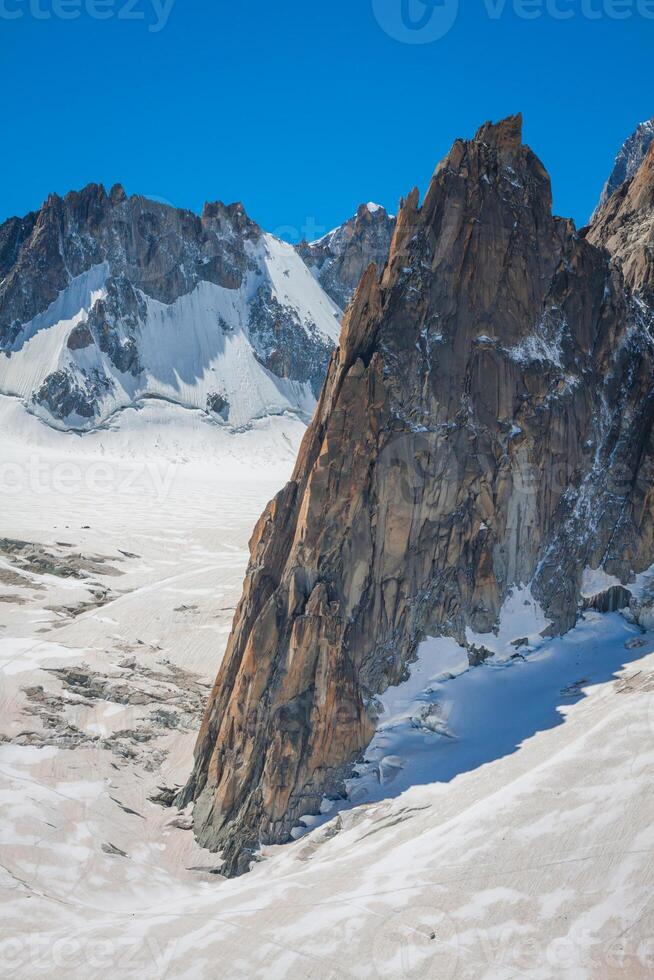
[501, 827]
[109, 301]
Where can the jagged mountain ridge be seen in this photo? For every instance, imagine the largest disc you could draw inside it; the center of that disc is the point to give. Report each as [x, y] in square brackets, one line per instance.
[107, 300]
[628, 161]
[488, 388]
[339, 259]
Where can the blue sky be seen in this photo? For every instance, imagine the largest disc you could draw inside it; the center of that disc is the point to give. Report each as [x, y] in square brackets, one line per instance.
[304, 109]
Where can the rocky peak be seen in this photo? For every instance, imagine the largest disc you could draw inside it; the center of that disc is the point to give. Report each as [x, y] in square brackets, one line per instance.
[465, 446]
[163, 250]
[506, 135]
[625, 227]
[339, 259]
[117, 194]
[628, 161]
[97, 268]
[13, 233]
[230, 217]
[87, 207]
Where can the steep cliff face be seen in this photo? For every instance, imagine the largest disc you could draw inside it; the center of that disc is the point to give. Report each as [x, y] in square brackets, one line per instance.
[486, 424]
[106, 300]
[339, 259]
[631, 155]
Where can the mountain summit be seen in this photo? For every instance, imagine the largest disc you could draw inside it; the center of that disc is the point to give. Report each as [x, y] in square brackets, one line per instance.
[628, 161]
[479, 467]
[107, 300]
[339, 259]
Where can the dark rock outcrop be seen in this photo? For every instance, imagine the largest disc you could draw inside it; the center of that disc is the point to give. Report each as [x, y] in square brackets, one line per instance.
[612, 600]
[486, 423]
[281, 343]
[64, 395]
[340, 258]
[218, 404]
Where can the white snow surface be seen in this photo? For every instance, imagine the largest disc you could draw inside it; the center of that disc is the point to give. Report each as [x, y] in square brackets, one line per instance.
[502, 825]
[595, 581]
[643, 584]
[521, 618]
[150, 430]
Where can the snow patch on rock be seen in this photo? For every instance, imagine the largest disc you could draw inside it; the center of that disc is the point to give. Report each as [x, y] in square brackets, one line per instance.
[595, 581]
[521, 620]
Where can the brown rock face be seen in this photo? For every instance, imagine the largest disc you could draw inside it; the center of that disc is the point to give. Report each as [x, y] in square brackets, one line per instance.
[625, 227]
[486, 423]
[632, 153]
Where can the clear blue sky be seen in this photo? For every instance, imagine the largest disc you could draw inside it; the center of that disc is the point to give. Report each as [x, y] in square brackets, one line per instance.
[304, 109]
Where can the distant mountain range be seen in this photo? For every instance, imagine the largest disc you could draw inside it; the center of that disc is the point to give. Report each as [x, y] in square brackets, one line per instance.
[107, 301]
